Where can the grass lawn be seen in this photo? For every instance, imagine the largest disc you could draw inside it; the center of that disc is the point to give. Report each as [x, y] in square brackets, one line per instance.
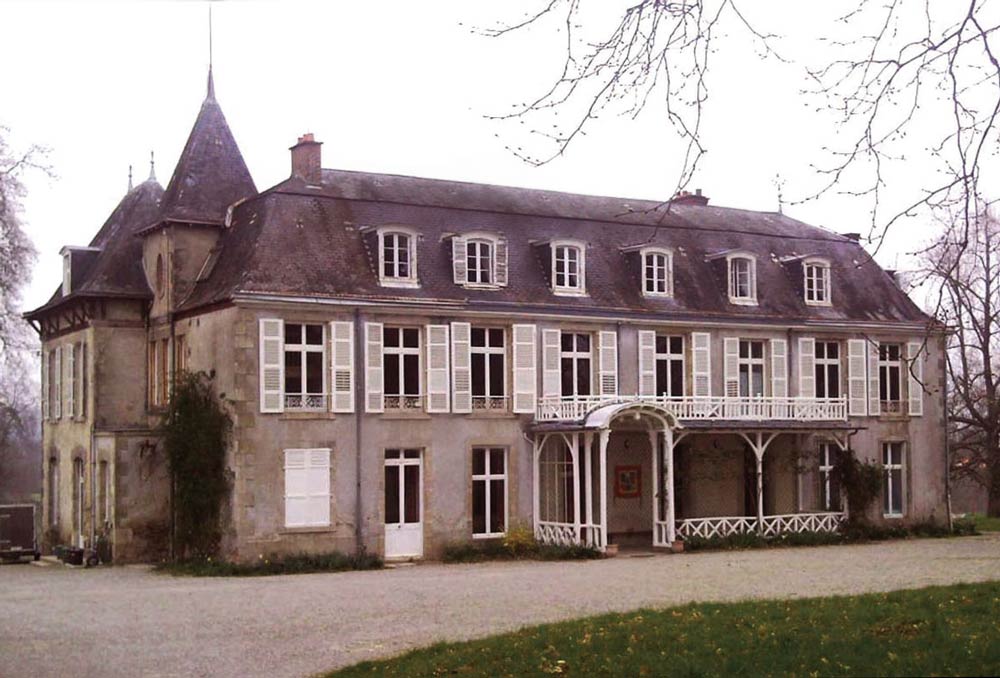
[984, 523]
[952, 630]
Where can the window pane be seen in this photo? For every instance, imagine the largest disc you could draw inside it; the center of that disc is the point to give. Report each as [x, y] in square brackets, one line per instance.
[390, 336]
[677, 345]
[293, 372]
[567, 376]
[478, 336]
[478, 506]
[757, 349]
[676, 378]
[411, 493]
[496, 337]
[897, 491]
[820, 382]
[314, 372]
[314, 335]
[661, 344]
[496, 460]
[390, 374]
[496, 374]
[566, 341]
[832, 350]
[411, 375]
[662, 373]
[411, 337]
[496, 505]
[391, 494]
[411, 454]
[478, 374]
[583, 342]
[583, 376]
[478, 461]
[833, 381]
[293, 333]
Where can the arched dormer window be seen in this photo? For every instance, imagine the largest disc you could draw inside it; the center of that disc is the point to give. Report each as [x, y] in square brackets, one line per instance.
[816, 276]
[657, 272]
[569, 267]
[397, 257]
[479, 259]
[742, 268]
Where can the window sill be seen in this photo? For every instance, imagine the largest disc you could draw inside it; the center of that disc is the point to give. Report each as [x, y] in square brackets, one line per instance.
[491, 535]
[407, 284]
[826, 304]
[569, 292]
[490, 414]
[404, 414]
[658, 295]
[295, 415]
[308, 530]
[893, 516]
[742, 302]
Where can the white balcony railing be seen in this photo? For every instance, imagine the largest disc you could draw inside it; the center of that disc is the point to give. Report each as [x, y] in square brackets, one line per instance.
[305, 402]
[403, 403]
[489, 403]
[772, 526]
[576, 408]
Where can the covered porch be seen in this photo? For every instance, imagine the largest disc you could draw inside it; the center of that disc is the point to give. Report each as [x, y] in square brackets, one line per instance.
[634, 474]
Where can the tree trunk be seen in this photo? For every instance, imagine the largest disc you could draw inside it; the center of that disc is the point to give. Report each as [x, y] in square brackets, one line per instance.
[993, 506]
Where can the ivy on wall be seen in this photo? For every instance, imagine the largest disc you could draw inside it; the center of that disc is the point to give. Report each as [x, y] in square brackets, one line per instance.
[195, 435]
[862, 485]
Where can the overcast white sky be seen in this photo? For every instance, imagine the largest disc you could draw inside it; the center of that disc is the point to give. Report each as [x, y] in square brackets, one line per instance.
[394, 86]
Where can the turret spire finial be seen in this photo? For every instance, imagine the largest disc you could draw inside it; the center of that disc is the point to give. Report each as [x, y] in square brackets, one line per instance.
[130, 178]
[152, 167]
[211, 81]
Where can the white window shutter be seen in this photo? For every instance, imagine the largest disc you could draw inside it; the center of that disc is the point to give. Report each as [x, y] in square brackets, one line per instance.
[701, 364]
[373, 368]
[342, 366]
[607, 346]
[438, 382]
[857, 382]
[45, 385]
[500, 261]
[57, 385]
[70, 380]
[916, 380]
[461, 367]
[272, 365]
[296, 488]
[779, 368]
[525, 368]
[874, 406]
[731, 365]
[551, 364]
[807, 367]
[318, 487]
[459, 262]
[647, 362]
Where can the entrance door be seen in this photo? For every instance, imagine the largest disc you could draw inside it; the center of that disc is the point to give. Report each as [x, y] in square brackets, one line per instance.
[78, 496]
[404, 511]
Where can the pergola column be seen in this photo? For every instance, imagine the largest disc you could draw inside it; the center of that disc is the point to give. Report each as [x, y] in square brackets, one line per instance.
[539, 443]
[668, 443]
[759, 443]
[588, 473]
[603, 436]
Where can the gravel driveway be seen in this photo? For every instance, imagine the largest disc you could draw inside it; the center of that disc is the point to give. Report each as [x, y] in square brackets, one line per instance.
[128, 621]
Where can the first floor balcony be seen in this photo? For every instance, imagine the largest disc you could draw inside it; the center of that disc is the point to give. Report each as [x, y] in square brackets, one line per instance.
[705, 408]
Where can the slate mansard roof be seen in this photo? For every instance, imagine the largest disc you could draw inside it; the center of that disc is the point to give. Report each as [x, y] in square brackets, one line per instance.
[298, 240]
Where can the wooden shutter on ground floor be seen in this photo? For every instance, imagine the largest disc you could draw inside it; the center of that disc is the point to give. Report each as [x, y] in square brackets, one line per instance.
[607, 346]
[807, 367]
[461, 367]
[373, 368]
[525, 368]
[551, 363]
[779, 368]
[731, 365]
[307, 488]
[647, 362]
[342, 366]
[438, 382]
[701, 364]
[874, 406]
[272, 364]
[459, 264]
[915, 364]
[857, 382]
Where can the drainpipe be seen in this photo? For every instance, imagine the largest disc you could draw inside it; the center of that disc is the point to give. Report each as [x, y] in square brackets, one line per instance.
[359, 403]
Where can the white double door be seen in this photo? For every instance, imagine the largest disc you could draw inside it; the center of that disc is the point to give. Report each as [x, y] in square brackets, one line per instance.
[404, 506]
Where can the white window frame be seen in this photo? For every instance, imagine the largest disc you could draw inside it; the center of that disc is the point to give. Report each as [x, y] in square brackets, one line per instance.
[669, 358]
[817, 293]
[885, 367]
[403, 401]
[821, 367]
[477, 240]
[409, 280]
[303, 349]
[564, 247]
[827, 450]
[731, 260]
[576, 356]
[488, 402]
[887, 483]
[749, 363]
[486, 477]
[666, 268]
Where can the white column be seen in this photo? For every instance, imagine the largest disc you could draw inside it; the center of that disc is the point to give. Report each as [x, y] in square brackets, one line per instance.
[604, 435]
[668, 444]
[536, 481]
[654, 448]
[588, 473]
[760, 486]
[575, 449]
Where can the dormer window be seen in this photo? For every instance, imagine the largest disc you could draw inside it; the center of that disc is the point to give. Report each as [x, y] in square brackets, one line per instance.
[657, 273]
[67, 273]
[742, 279]
[397, 258]
[568, 268]
[817, 282]
[479, 260]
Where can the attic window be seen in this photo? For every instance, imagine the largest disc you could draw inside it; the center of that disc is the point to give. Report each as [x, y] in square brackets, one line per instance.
[657, 272]
[568, 268]
[397, 259]
[817, 281]
[742, 279]
[67, 273]
[479, 260]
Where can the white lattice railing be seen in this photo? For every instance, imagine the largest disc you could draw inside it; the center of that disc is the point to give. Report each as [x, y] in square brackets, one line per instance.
[489, 403]
[802, 522]
[720, 526]
[403, 402]
[555, 533]
[310, 401]
[556, 408]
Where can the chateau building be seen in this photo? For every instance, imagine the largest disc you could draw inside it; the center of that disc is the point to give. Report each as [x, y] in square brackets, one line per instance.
[411, 362]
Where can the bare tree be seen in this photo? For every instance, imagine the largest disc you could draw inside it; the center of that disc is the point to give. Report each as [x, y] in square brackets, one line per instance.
[20, 431]
[899, 81]
[964, 268]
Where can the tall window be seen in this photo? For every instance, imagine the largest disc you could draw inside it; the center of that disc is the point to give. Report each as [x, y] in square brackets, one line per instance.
[829, 455]
[53, 491]
[567, 268]
[817, 278]
[892, 485]
[488, 371]
[742, 280]
[555, 481]
[656, 273]
[890, 373]
[397, 260]
[827, 369]
[401, 367]
[669, 366]
[304, 360]
[751, 364]
[307, 488]
[53, 385]
[479, 262]
[576, 362]
[84, 378]
[489, 491]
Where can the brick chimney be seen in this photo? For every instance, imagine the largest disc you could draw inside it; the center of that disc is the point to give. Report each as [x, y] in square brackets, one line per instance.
[686, 198]
[306, 159]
